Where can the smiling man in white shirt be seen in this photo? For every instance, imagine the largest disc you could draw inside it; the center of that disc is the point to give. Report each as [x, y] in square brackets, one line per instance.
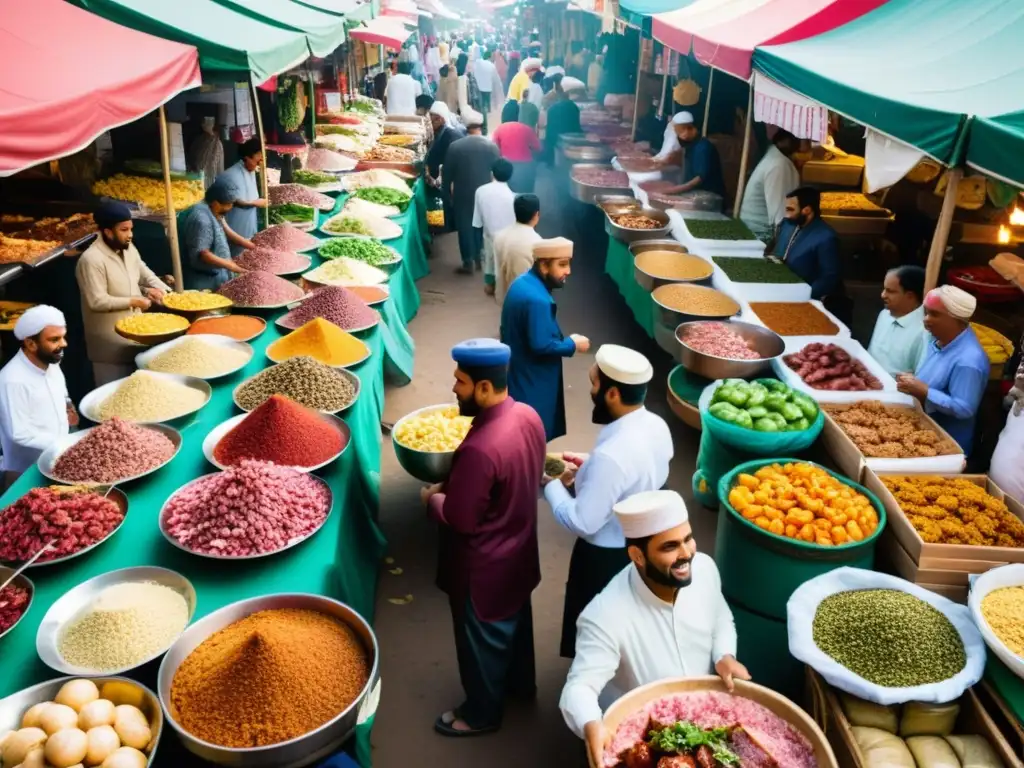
[632, 455]
[899, 339]
[401, 92]
[662, 616]
[34, 407]
[493, 211]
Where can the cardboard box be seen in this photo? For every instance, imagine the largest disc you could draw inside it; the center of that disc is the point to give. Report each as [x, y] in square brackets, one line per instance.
[954, 573]
[852, 463]
[828, 713]
[919, 550]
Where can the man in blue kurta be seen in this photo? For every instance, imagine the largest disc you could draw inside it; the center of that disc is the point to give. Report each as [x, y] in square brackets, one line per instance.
[702, 167]
[530, 328]
[951, 378]
[241, 180]
[489, 562]
[809, 246]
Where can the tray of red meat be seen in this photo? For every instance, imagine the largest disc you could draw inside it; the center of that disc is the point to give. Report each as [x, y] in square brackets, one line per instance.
[837, 371]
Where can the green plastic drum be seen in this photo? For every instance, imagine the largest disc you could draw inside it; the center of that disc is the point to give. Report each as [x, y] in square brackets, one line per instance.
[760, 570]
[763, 648]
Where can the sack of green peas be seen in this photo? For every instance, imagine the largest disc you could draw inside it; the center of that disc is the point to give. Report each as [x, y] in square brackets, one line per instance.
[745, 420]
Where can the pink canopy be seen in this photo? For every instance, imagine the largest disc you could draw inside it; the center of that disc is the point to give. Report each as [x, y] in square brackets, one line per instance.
[66, 76]
[724, 33]
[389, 31]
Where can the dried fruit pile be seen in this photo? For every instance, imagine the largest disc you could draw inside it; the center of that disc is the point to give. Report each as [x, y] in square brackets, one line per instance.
[830, 367]
[72, 518]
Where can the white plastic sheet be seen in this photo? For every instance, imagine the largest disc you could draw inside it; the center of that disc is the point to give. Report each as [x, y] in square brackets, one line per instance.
[803, 605]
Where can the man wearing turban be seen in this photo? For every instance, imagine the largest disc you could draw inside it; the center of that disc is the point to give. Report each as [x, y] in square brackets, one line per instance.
[114, 281]
[35, 409]
[951, 377]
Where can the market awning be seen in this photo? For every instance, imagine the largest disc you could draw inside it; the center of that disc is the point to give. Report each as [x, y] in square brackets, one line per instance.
[63, 79]
[918, 72]
[648, 7]
[724, 33]
[996, 147]
[389, 31]
[231, 44]
[324, 31]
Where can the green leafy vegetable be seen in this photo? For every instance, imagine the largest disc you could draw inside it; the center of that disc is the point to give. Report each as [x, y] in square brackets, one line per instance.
[366, 107]
[384, 196]
[344, 130]
[368, 250]
[313, 178]
[290, 213]
[685, 735]
[755, 270]
[290, 110]
[346, 226]
[719, 229]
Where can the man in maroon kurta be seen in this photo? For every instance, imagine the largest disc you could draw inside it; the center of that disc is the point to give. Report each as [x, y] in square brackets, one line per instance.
[489, 561]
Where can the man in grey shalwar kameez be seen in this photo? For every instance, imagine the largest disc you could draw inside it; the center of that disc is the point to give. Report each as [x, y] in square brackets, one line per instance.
[466, 168]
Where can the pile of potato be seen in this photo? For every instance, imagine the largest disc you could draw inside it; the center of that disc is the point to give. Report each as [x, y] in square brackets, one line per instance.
[82, 726]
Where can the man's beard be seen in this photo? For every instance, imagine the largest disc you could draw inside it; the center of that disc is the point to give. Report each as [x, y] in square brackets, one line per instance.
[51, 358]
[115, 245]
[469, 407]
[601, 415]
[553, 283]
[666, 579]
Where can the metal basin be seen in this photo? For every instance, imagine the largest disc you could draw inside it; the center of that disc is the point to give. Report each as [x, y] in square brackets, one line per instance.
[626, 235]
[587, 193]
[615, 204]
[427, 466]
[588, 154]
[49, 457]
[143, 359]
[576, 140]
[765, 342]
[302, 750]
[78, 599]
[25, 583]
[120, 690]
[647, 281]
[672, 318]
[90, 404]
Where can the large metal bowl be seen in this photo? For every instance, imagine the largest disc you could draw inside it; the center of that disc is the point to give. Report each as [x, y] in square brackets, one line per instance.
[25, 583]
[199, 332]
[217, 434]
[576, 140]
[72, 603]
[351, 377]
[303, 750]
[90, 404]
[672, 318]
[616, 204]
[428, 466]
[54, 451]
[765, 342]
[587, 193]
[645, 280]
[587, 154]
[120, 690]
[626, 235]
[144, 359]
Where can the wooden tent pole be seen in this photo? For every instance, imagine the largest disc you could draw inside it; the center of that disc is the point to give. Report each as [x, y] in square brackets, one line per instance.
[745, 156]
[172, 216]
[942, 227]
[312, 108]
[636, 96]
[264, 185]
[707, 103]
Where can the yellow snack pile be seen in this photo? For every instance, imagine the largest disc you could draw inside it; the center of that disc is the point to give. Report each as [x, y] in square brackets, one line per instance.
[435, 218]
[149, 192]
[440, 431]
[152, 323]
[804, 502]
[996, 346]
[323, 341]
[196, 300]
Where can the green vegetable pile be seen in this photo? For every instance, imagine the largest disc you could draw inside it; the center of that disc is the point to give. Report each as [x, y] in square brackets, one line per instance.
[359, 105]
[763, 405]
[757, 270]
[289, 103]
[344, 130]
[384, 196]
[367, 250]
[346, 226]
[290, 213]
[889, 637]
[720, 229]
[685, 736]
[313, 178]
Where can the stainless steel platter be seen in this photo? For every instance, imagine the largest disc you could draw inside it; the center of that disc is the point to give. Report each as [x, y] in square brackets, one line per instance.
[90, 404]
[587, 193]
[352, 378]
[217, 433]
[144, 359]
[25, 583]
[765, 342]
[627, 235]
[48, 458]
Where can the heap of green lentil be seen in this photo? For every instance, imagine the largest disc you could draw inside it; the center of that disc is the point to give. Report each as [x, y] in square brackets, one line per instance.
[889, 637]
[304, 380]
[755, 270]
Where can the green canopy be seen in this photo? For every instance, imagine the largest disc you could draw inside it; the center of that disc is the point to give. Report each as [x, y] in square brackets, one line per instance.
[231, 44]
[324, 31]
[920, 72]
[997, 147]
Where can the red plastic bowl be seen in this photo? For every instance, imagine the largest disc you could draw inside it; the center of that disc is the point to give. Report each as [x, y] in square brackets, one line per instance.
[984, 283]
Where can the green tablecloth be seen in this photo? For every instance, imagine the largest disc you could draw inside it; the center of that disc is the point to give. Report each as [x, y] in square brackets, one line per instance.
[619, 266]
[339, 561]
[1007, 685]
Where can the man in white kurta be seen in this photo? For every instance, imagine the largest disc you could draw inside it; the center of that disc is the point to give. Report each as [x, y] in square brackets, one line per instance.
[34, 407]
[662, 616]
[513, 245]
[492, 212]
[764, 199]
[632, 454]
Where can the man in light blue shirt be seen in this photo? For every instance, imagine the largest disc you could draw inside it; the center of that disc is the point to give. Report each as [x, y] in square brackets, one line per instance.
[899, 339]
[952, 377]
[632, 455]
[240, 179]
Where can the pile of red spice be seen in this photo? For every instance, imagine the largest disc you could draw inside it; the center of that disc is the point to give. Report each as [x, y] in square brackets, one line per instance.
[281, 431]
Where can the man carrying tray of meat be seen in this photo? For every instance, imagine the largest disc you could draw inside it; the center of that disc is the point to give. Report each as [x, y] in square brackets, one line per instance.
[662, 616]
[489, 560]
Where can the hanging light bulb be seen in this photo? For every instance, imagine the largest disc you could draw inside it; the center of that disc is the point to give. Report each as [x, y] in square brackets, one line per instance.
[1004, 234]
[1017, 217]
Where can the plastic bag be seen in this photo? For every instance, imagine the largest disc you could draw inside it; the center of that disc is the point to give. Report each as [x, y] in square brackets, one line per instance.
[882, 749]
[868, 714]
[932, 752]
[920, 719]
[803, 605]
[974, 752]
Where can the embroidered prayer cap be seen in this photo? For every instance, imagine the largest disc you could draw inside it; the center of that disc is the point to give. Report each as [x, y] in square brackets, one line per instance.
[954, 301]
[650, 513]
[481, 353]
[555, 248]
[573, 84]
[36, 318]
[683, 118]
[111, 213]
[623, 364]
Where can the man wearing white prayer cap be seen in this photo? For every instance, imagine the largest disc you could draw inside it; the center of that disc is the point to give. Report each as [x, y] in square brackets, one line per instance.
[662, 616]
[702, 167]
[34, 406]
[953, 373]
[632, 454]
[519, 84]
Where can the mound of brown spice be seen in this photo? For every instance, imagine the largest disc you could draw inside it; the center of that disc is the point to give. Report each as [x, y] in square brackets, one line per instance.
[268, 678]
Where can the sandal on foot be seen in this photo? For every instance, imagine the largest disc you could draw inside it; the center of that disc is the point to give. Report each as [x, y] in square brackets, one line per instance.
[449, 729]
